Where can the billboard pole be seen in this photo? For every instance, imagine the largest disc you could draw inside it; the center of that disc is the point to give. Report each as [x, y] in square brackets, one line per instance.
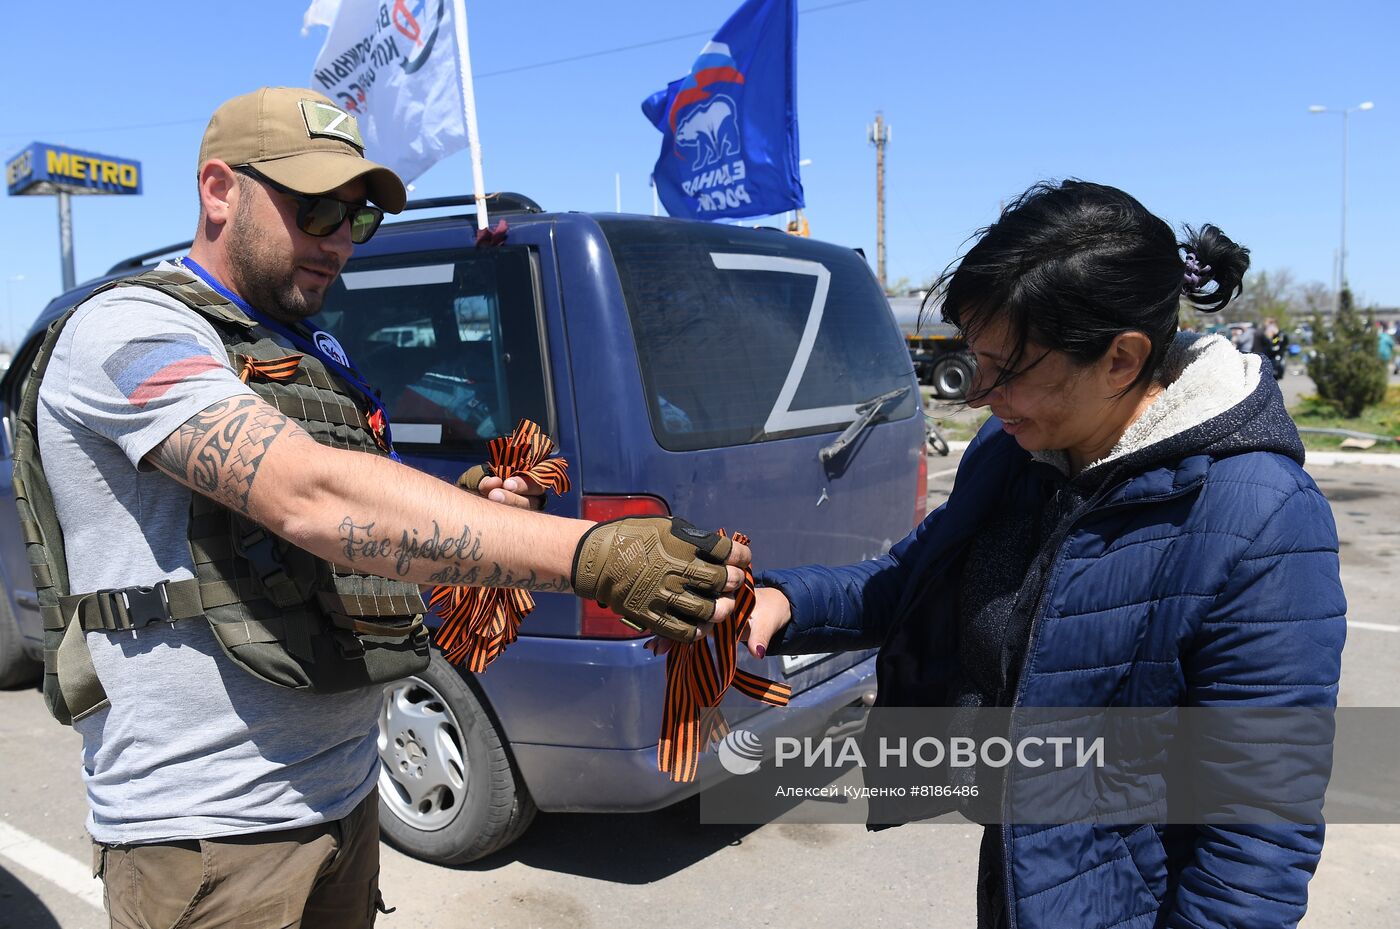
[65, 239]
[51, 171]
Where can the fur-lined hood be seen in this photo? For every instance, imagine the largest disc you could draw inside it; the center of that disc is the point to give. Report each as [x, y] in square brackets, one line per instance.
[1216, 402]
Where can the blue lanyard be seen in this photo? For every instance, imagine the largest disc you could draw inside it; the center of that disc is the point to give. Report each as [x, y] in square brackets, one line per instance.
[299, 341]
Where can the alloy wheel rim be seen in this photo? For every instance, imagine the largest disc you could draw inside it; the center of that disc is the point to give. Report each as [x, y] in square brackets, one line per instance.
[423, 772]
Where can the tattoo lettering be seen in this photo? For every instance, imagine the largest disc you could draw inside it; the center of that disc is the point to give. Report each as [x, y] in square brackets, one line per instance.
[503, 577]
[498, 577]
[218, 450]
[456, 577]
[466, 546]
[359, 542]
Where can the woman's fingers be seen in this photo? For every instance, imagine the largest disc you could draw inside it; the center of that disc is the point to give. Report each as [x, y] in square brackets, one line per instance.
[771, 612]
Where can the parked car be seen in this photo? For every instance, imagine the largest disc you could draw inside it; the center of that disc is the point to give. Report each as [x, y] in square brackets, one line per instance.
[684, 367]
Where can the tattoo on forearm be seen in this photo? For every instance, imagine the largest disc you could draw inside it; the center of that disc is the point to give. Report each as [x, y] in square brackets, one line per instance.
[218, 451]
[359, 542]
[499, 577]
[465, 546]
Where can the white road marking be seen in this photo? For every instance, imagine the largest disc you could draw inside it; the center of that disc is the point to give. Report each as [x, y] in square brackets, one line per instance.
[937, 474]
[63, 871]
[1378, 627]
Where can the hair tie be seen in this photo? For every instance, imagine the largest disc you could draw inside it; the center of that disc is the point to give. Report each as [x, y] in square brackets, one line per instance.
[1194, 274]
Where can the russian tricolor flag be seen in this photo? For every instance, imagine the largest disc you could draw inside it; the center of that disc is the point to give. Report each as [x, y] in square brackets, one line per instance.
[145, 369]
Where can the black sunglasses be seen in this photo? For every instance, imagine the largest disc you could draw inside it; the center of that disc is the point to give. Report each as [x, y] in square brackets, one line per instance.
[320, 215]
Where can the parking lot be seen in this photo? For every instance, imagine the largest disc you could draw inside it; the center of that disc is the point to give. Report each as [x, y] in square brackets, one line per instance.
[665, 869]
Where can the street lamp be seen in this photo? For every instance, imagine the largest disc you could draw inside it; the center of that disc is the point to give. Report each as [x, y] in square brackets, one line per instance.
[1344, 112]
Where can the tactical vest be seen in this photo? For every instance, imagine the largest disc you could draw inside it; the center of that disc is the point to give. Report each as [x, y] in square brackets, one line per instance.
[280, 613]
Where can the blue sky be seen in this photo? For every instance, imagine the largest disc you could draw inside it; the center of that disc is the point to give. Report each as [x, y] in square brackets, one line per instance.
[1198, 110]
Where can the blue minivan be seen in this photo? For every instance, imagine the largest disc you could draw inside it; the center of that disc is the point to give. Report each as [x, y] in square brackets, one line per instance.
[743, 378]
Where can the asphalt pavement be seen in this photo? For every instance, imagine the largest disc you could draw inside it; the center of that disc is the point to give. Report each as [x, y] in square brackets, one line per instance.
[666, 869]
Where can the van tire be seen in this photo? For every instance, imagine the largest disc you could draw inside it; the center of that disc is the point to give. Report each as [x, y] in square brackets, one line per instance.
[493, 807]
[952, 376]
[17, 669]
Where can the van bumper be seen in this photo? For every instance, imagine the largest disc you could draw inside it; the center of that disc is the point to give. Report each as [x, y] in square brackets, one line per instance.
[590, 779]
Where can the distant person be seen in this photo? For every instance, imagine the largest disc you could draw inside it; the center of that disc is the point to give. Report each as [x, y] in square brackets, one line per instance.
[1132, 527]
[1385, 346]
[1272, 343]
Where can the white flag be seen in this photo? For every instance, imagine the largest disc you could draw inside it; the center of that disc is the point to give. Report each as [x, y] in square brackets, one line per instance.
[394, 65]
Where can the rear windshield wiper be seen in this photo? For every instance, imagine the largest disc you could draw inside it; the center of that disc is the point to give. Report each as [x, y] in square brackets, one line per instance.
[865, 415]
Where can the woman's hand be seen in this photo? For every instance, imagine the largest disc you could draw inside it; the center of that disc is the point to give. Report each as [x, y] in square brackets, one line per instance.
[771, 612]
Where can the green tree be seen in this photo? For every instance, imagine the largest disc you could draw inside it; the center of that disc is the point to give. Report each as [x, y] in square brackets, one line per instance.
[1346, 368]
[1267, 294]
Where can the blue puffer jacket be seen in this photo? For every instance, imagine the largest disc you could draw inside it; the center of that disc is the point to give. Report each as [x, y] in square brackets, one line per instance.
[1204, 573]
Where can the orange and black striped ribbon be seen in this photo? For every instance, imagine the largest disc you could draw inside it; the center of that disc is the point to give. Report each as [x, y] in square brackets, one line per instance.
[697, 676]
[273, 369]
[479, 622]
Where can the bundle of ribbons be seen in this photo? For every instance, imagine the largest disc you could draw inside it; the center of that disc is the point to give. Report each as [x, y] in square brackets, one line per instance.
[697, 676]
[479, 622]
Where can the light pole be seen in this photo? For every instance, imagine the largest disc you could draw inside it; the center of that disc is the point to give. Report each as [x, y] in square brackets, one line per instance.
[1345, 113]
[879, 136]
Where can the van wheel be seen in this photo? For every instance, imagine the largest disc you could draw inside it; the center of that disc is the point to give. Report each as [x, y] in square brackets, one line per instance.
[448, 792]
[952, 376]
[17, 669]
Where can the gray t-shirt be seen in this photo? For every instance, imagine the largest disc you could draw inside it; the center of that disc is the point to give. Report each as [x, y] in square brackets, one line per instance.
[192, 745]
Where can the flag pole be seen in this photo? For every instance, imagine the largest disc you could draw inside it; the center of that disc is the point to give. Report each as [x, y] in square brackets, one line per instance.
[459, 16]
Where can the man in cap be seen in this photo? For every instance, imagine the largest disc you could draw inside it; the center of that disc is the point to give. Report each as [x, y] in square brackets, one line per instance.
[229, 501]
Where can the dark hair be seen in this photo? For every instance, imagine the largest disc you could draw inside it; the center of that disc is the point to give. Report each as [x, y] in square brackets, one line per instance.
[1071, 266]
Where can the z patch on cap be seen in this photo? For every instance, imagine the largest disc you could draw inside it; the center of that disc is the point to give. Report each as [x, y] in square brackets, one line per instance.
[323, 119]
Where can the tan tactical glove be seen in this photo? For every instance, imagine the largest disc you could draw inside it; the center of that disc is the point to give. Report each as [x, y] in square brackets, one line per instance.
[660, 573]
[472, 477]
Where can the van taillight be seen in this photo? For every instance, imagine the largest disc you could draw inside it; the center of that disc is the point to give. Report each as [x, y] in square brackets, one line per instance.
[596, 621]
[921, 489]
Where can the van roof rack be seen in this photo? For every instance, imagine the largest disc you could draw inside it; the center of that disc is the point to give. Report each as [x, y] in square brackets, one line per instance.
[136, 261]
[504, 201]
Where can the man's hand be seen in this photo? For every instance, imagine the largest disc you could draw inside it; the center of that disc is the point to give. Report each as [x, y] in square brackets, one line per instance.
[660, 573]
[519, 491]
[771, 612]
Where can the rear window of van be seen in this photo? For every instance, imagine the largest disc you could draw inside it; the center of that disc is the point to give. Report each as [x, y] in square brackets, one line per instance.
[748, 335]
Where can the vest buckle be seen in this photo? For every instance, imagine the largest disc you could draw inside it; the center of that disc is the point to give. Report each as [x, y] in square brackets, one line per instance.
[145, 605]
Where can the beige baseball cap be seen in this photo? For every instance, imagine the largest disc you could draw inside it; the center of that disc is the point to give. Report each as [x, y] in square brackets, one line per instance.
[300, 139]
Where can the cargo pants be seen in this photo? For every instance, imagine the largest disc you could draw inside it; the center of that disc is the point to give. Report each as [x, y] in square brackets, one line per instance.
[317, 877]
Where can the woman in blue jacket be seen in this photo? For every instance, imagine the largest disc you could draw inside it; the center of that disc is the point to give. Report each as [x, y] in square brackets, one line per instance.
[1132, 528]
